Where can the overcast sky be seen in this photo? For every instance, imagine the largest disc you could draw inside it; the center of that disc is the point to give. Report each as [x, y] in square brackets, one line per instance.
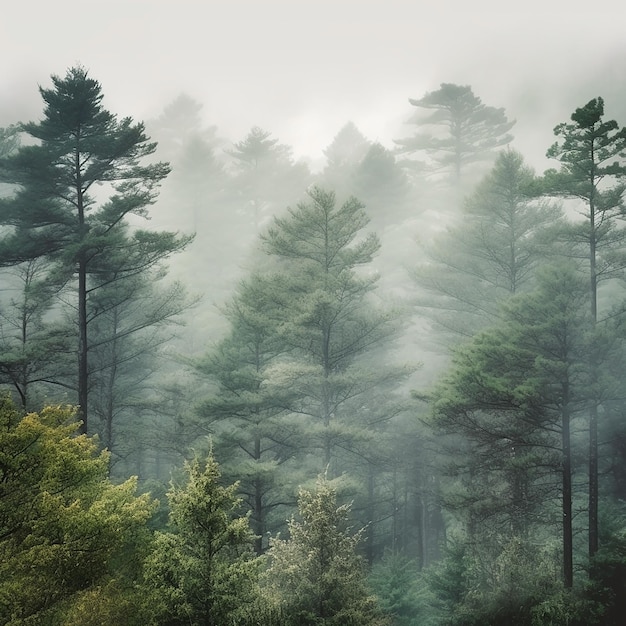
[302, 68]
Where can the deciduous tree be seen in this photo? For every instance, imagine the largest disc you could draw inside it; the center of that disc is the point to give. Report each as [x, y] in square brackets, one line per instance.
[63, 526]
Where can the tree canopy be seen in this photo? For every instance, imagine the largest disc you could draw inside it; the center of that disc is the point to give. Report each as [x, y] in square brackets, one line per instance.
[461, 129]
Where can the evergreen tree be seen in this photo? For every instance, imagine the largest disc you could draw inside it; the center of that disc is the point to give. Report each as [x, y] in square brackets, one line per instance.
[194, 191]
[328, 322]
[396, 581]
[338, 340]
[202, 572]
[299, 385]
[490, 254]
[130, 322]
[9, 140]
[383, 186]
[266, 178]
[343, 158]
[253, 435]
[463, 130]
[510, 391]
[317, 574]
[589, 150]
[179, 124]
[35, 350]
[55, 214]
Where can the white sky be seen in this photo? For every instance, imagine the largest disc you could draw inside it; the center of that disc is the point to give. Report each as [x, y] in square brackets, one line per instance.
[302, 68]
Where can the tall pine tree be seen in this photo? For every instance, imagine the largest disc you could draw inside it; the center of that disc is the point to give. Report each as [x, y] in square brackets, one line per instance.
[77, 183]
[591, 150]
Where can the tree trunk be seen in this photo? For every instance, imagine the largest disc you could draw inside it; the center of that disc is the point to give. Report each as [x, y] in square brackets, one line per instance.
[593, 480]
[83, 346]
[593, 413]
[83, 371]
[568, 568]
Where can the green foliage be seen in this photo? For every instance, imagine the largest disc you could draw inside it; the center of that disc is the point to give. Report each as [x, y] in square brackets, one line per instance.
[35, 352]
[327, 321]
[265, 177]
[469, 590]
[512, 393]
[605, 593]
[402, 591]
[203, 570]
[449, 579]
[323, 236]
[591, 152]
[254, 437]
[384, 187]
[490, 254]
[344, 154]
[292, 390]
[316, 574]
[9, 140]
[131, 315]
[63, 526]
[110, 603]
[75, 124]
[567, 608]
[56, 215]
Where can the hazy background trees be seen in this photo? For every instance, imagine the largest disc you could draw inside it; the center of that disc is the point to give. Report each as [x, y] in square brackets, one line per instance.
[301, 309]
[460, 133]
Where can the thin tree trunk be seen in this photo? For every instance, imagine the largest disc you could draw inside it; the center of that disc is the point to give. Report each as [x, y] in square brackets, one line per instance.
[258, 513]
[593, 413]
[83, 346]
[112, 378]
[568, 568]
[369, 544]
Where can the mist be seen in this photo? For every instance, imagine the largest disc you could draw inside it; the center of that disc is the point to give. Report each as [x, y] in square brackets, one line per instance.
[302, 71]
[332, 310]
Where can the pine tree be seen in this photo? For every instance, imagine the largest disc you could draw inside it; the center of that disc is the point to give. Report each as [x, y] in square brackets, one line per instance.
[328, 321]
[491, 252]
[590, 150]
[202, 571]
[56, 214]
[344, 155]
[317, 574]
[510, 391]
[464, 131]
[254, 437]
[266, 178]
[35, 351]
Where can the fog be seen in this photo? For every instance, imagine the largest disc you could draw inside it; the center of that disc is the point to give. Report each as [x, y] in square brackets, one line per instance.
[426, 318]
[303, 69]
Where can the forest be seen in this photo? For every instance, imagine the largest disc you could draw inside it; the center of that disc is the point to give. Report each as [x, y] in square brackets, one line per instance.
[239, 391]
